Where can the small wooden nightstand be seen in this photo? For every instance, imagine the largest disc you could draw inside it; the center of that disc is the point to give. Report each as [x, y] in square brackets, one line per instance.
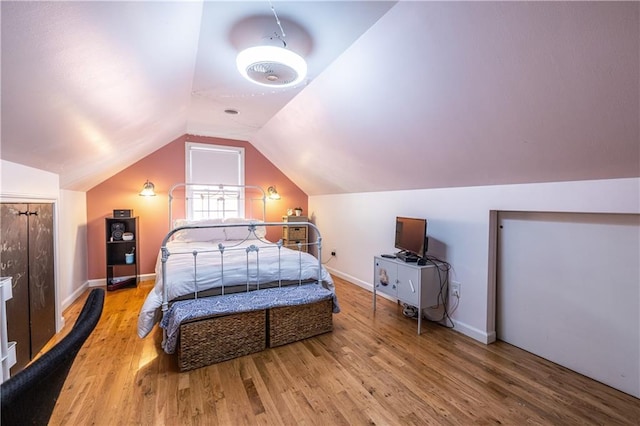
[294, 234]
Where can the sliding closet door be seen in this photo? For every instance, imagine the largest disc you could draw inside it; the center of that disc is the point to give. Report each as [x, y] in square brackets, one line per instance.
[26, 254]
[41, 279]
[14, 262]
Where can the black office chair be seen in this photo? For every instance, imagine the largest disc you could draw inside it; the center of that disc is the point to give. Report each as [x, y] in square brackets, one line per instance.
[28, 398]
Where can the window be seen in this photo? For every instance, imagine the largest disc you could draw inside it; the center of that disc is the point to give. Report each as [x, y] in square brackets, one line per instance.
[215, 172]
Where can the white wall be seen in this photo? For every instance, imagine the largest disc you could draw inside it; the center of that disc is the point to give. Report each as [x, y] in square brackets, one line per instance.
[21, 183]
[359, 226]
[72, 242]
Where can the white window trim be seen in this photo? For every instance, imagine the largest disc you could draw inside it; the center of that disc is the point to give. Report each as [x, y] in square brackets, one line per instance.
[191, 146]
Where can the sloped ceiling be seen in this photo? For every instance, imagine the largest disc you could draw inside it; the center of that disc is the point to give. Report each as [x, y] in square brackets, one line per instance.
[463, 94]
[399, 96]
[90, 87]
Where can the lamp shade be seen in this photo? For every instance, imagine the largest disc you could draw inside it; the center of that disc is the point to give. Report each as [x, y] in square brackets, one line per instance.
[271, 66]
[273, 194]
[148, 189]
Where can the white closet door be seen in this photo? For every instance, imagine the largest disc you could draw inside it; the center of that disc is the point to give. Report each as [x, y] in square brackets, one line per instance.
[568, 290]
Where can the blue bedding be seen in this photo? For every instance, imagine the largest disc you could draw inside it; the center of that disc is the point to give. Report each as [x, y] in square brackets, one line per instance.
[239, 302]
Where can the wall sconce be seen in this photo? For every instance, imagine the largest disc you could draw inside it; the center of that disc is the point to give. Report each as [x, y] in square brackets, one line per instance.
[273, 194]
[148, 189]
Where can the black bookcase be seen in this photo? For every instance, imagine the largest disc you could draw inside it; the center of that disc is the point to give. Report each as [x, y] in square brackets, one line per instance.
[122, 253]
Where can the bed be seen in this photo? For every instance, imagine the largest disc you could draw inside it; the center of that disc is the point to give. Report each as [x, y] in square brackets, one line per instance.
[223, 290]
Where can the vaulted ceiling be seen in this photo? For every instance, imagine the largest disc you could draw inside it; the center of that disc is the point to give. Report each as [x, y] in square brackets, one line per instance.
[399, 95]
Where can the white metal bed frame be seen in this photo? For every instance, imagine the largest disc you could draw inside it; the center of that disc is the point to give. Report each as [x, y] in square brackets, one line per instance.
[221, 190]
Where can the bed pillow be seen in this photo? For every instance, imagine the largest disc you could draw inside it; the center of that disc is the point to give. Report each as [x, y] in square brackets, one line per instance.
[198, 235]
[242, 232]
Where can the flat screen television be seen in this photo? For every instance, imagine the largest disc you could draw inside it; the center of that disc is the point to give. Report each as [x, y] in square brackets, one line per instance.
[411, 237]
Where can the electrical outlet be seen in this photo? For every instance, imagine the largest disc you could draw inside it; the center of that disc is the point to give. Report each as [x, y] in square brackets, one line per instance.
[455, 289]
[333, 252]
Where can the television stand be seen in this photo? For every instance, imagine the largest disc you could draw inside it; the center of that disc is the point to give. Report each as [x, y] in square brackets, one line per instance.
[414, 284]
[407, 257]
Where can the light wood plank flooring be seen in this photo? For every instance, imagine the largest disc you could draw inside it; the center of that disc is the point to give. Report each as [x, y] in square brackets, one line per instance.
[372, 369]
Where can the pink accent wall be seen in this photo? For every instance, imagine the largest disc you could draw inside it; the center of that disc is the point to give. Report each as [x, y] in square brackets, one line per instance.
[166, 167]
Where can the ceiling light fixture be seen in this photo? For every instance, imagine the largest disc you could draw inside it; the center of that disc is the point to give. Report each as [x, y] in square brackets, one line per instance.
[272, 64]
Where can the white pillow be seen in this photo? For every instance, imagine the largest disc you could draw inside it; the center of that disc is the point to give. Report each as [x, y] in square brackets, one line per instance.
[242, 232]
[200, 234]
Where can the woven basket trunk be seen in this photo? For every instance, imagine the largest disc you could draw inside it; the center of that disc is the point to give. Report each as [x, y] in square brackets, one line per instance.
[292, 323]
[210, 340]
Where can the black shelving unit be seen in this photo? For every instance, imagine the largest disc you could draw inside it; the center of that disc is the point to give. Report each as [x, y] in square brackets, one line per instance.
[119, 272]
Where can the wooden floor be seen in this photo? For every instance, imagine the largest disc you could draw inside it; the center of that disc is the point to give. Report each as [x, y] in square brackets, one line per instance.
[372, 369]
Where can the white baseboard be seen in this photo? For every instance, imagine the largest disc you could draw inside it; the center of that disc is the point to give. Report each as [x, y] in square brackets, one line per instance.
[73, 296]
[474, 333]
[102, 282]
[352, 280]
[460, 327]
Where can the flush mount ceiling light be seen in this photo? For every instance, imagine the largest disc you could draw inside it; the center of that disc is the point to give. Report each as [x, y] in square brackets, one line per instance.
[272, 64]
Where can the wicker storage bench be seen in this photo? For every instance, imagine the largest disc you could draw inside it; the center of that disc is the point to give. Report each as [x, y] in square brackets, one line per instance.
[206, 341]
[205, 332]
[289, 324]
